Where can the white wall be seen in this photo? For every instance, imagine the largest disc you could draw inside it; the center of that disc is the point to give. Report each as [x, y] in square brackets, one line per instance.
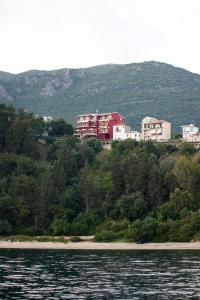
[123, 132]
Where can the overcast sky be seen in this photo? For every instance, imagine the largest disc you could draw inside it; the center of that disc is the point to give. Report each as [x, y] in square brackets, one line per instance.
[52, 34]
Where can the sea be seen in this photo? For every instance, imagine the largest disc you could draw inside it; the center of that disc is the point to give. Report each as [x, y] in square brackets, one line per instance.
[83, 274]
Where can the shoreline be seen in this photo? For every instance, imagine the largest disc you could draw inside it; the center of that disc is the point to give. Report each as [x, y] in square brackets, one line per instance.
[86, 245]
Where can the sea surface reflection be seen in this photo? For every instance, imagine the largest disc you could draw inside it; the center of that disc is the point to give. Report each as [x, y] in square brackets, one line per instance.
[63, 274]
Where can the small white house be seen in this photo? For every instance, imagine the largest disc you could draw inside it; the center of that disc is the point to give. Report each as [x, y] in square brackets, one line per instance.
[123, 132]
[190, 133]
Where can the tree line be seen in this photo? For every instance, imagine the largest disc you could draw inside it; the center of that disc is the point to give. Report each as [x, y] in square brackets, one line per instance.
[138, 191]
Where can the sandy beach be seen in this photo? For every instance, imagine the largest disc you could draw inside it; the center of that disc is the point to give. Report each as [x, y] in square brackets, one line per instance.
[86, 245]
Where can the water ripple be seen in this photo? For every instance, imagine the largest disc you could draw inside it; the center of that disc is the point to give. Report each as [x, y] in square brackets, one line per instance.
[53, 274]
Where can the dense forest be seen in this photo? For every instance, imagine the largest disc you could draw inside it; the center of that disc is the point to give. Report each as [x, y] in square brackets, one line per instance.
[51, 184]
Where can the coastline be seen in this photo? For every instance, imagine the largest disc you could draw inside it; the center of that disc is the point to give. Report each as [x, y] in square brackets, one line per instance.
[87, 245]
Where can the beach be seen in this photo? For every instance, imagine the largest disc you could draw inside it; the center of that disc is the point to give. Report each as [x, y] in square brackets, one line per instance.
[88, 245]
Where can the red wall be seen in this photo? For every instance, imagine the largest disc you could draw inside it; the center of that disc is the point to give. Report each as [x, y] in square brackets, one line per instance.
[116, 120]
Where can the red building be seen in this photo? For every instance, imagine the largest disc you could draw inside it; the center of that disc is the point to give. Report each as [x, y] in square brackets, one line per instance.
[97, 125]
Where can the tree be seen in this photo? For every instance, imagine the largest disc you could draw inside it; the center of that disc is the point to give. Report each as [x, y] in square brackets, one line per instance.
[7, 116]
[187, 174]
[86, 185]
[94, 144]
[24, 190]
[187, 149]
[143, 230]
[60, 127]
[134, 170]
[21, 138]
[154, 192]
[132, 206]
[182, 199]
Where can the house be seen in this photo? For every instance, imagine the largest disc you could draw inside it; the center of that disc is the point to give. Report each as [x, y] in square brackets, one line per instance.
[155, 130]
[97, 125]
[190, 133]
[122, 132]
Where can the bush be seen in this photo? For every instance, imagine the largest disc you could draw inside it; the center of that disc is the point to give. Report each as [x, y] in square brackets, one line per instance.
[142, 230]
[112, 225]
[105, 236]
[162, 232]
[75, 239]
[21, 238]
[61, 239]
[94, 144]
[45, 238]
[187, 149]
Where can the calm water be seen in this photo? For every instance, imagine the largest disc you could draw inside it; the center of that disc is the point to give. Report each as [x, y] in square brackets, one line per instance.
[61, 274]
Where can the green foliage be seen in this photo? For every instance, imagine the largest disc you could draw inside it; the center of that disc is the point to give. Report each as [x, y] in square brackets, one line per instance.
[132, 207]
[7, 116]
[143, 230]
[114, 226]
[60, 127]
[5, 227]
[186, 149]
[105, 236]
[26, 238]
[94, 144]
[177, 136]
[45, 238]
[75, 239]
[182, 199]
[138, 191]
[20, 238]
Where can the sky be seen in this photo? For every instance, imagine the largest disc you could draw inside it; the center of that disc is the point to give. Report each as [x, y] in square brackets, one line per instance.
[54, 34]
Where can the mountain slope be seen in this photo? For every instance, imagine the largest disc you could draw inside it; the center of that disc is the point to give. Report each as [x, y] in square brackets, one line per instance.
[134, 90]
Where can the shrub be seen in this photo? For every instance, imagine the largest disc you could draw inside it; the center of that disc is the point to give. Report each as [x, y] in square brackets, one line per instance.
[162, 232]
[75, 239]
[187, 149]
[61, 239]
[45, 238]
[112, 225]
[181, 231]
[105, 236]
[142, 230]
[21, 238]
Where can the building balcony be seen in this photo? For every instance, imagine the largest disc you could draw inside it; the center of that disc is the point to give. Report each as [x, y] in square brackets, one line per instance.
[156, 130]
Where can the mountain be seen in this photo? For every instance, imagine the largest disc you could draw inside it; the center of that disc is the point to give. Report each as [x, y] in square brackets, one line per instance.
[134, 90]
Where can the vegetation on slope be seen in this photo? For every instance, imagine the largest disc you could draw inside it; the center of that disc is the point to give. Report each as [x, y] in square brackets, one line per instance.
[134, 90]
[137, 191]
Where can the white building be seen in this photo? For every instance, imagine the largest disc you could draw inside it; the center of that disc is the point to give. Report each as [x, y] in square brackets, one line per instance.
[156, 130]
[190, 133]
[47, 118]
[123, 132]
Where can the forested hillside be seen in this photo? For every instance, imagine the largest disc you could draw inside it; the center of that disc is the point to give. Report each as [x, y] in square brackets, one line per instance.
[134, 90]
[137, 191]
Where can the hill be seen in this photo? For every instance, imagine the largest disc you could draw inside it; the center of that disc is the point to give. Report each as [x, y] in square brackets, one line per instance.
[134, 90]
